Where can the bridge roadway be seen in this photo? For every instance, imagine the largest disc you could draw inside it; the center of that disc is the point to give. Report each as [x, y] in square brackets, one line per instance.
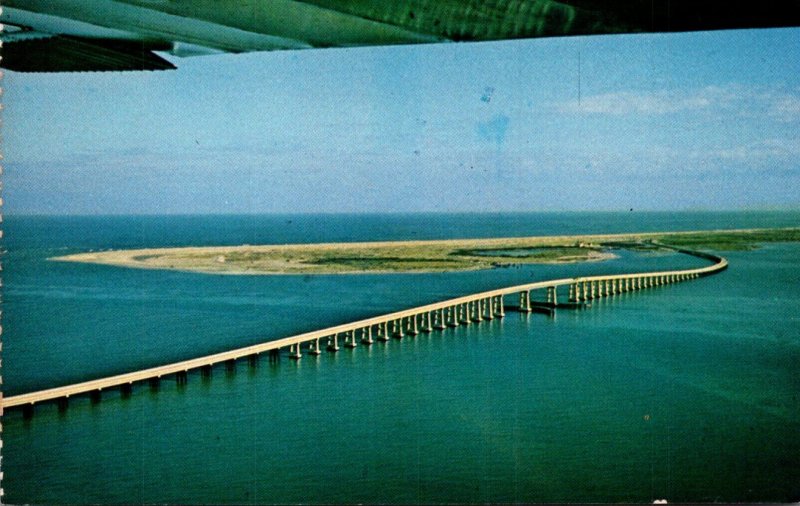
[449, 313]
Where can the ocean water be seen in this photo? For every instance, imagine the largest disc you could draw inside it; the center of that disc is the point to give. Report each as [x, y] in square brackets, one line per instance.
[686, 393]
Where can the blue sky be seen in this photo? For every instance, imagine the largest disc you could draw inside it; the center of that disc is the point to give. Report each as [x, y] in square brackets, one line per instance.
[664, 121]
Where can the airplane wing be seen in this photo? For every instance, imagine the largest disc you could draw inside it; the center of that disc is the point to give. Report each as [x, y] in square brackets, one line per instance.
[114, 35]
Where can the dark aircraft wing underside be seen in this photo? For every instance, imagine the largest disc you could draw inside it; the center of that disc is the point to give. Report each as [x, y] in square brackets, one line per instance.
[112, 35]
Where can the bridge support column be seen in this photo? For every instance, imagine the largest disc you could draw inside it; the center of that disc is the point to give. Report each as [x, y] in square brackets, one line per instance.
[490, 308]
[412, 325]
[350, 339]
[333, 343]
[452, 317]
[593, 293]
[525, 301]
[181, 377]
[427, 323]
[313, 347]
[465, 313]
[501, 310]
[440, 324]
[398, 329]
[366, 335]
[383, 331]
[294, 352]
[478, 306]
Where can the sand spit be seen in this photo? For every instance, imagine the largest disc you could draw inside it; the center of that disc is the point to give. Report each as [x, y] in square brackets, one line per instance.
[411, 256]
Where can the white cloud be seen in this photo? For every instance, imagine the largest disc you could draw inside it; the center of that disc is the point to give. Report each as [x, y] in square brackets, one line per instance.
[752, 102]
[769, 149]
[627, 102]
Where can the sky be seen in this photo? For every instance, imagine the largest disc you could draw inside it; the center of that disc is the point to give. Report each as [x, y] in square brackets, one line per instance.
[705, 120]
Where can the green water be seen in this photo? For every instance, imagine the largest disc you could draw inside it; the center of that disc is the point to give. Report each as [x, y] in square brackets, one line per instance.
[686, 392]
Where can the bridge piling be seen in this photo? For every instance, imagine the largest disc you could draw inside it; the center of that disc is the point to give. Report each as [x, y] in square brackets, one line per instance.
[366, 335]
[398, 329]
[501, 311]
[230, 365]
[463, 314]
[350, 339]
[333, 343]
[452, 320]
[412, 325]
[476, 306]
[525, 301]
[490, 308]
[294, 352]
[439, 320]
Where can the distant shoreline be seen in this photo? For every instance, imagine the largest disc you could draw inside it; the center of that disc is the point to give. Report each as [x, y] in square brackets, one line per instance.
[417, 256]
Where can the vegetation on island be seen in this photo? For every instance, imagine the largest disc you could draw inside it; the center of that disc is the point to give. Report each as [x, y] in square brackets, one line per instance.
[422, 256]
[733, 240]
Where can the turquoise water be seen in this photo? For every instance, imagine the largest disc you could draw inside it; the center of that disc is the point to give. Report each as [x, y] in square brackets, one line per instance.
[687, 392]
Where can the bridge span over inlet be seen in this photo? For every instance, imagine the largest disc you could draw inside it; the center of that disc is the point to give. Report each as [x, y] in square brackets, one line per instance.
[454, 312]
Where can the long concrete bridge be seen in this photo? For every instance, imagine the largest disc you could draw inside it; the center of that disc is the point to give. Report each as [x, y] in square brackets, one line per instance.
[465, 310]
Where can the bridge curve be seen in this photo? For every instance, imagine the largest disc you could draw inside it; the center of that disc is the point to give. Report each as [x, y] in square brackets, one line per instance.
[453, 312]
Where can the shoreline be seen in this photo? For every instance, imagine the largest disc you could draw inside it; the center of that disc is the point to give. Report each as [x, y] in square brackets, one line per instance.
[417, 256]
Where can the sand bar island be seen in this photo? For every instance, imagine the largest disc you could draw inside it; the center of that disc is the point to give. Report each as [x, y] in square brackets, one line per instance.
[418, 256]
